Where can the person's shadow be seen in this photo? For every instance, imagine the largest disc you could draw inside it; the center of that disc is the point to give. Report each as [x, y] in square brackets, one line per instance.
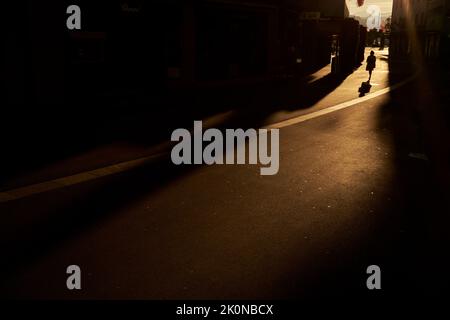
[365, 88]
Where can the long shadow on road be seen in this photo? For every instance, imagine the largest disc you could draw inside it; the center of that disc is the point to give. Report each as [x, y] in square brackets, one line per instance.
[408, 240]
[35, 227]
[42, 135]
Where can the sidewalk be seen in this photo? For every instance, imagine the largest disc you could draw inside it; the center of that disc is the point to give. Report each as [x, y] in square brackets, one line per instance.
[143, 135]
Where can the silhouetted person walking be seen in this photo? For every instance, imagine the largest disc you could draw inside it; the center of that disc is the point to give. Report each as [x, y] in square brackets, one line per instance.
[371, 63]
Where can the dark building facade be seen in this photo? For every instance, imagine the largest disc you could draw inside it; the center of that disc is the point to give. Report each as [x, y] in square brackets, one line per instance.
[420, 28]
[136, 48]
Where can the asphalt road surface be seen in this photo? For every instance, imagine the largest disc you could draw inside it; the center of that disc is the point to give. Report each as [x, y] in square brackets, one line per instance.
[354, 189]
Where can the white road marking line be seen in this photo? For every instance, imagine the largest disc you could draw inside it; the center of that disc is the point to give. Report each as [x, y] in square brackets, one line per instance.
[319, 113]
[30, 190]
[27, 191]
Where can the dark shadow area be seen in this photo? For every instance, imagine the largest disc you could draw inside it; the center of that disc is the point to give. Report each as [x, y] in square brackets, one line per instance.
[34, 227]
[48, 135]
[398, 241]
[365, 88]
[31, 230]
[136, 71]
[421, 137]
[409, 236]
[30, 224]
[408, 240]
[143, 111]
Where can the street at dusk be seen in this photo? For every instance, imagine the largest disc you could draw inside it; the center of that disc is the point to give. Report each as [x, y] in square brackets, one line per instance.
[97, 177]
